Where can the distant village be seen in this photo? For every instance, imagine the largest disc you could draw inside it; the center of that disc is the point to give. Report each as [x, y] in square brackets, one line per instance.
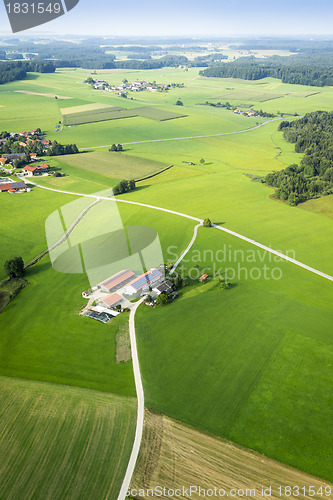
[137, 86]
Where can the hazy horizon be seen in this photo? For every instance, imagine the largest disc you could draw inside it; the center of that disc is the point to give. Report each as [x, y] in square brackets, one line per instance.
[191, 18]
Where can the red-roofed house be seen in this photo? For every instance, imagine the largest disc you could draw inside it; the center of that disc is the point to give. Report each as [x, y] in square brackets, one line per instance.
[204, 277]
[30, 170]
[13, 187]
[3, 161]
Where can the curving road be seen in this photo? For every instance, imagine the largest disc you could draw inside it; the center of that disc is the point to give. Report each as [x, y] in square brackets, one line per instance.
[141, 406]
[229, 231]
[188, 248]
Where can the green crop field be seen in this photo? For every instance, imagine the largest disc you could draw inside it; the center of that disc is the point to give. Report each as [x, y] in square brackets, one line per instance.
[252, 364]
[247, 95]
[62, 442]
[115, 165]
[96, 115]
[98, 112]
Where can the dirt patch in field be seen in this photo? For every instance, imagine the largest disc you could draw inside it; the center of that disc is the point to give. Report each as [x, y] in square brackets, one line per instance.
[123, 344]
[9, 288]
[4, 299]
[44, 95]
[174, 455]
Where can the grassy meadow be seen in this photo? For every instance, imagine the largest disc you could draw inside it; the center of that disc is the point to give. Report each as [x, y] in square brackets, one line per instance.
[250, 364]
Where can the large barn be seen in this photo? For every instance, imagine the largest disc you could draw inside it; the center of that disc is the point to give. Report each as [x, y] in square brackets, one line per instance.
[116, 281]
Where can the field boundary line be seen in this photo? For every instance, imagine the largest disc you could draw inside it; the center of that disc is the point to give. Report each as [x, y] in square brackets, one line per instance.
[141, 406]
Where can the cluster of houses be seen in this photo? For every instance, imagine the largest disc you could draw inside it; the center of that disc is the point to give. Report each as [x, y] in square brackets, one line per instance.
[116, 292]
[136, 86]
[46, 143]
[24, 139]
[8, 159]
[249, 112]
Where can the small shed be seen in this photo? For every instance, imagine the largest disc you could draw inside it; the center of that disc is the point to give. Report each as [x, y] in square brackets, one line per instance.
[204, 277]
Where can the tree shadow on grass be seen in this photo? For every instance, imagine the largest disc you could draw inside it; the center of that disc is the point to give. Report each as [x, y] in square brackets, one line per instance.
[39, 267]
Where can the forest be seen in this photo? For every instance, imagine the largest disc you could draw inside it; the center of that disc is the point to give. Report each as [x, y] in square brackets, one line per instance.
[313, 136]
[311, 67]
[17, 70]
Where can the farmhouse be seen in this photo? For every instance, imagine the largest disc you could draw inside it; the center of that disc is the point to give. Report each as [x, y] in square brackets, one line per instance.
[111, 300]
[164, 287]
[13, 187]
[143, 282]
[30, 171]
[13, 156]
[116, 281]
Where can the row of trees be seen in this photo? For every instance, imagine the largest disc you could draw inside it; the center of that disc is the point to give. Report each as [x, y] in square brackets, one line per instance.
[313, 136]
[124, 186]
[59, 149]
[116, 147]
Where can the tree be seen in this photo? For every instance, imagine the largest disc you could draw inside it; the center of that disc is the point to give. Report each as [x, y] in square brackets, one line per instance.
[202, 161]
[119, 147]
[15, 267]
[179, 103]
[161, 300]
[225, 285]
[207, 223]
[113, 148]
[131, 184]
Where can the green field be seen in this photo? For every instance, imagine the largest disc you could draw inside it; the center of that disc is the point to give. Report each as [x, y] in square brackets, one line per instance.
[115, 165]
[236, 362]
[252, 364]
[62, 442]
[92, 113]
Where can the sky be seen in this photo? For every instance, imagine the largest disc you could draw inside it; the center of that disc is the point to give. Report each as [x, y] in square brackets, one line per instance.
[190, 18]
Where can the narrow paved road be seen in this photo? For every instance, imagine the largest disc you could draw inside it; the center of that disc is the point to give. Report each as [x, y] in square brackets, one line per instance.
[188, 248]
[193, 136]
[141, 406]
